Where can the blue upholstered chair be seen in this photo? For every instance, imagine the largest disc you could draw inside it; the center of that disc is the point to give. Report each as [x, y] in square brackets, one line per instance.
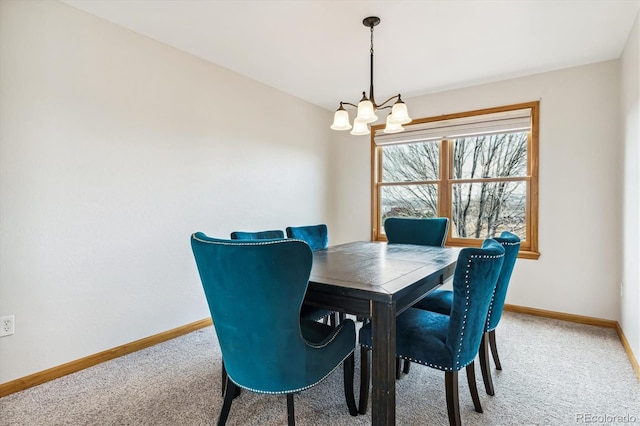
[317, 236]
[419, 231]
[447, 342]
[273, 351]
[258, 235]
[442, 300]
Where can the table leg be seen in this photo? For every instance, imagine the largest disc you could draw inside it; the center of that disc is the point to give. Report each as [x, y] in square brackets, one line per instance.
[383, 366]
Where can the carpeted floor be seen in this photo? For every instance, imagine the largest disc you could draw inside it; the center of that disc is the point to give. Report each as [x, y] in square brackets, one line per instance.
[554, 373]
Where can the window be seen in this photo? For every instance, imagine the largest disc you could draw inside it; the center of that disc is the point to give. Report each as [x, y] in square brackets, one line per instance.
[478, 168]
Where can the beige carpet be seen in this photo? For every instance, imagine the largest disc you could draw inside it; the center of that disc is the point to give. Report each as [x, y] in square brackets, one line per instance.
[554, 373]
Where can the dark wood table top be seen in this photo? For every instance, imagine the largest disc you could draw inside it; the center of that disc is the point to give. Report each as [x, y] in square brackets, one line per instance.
[377, 271]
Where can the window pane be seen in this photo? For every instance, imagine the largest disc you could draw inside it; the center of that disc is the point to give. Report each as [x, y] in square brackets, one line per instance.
[411, 162]
[484, 210]
[408, 201]
[499, 155]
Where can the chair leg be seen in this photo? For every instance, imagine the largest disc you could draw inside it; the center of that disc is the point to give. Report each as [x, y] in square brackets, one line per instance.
[471, 379]
[334, 320]
[453, 404]
[228, 399]
[485, 367]
[405, 368]
[365, 369]
[494, 349]
[223, 379]
[349, 365]
[223, 372]
[398, 368]
[291, 419]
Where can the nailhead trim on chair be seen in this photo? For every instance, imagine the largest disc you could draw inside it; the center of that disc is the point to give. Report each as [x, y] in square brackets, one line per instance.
[246, 242]
[417, 361]
[466, 309]
[335, 334]
[293, 390]
[493, 295]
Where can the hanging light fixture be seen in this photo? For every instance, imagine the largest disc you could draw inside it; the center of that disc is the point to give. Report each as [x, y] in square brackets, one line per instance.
[367, 107]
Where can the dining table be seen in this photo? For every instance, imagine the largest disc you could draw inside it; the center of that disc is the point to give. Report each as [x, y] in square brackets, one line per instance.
[377, 281]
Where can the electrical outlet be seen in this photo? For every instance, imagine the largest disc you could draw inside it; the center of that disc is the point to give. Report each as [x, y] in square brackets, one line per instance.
[7, 325]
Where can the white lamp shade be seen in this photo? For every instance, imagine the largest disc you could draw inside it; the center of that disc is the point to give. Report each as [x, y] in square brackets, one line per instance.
[392, 127]
[399, 114]
[366, 113]
[360, 128]
[341, 120]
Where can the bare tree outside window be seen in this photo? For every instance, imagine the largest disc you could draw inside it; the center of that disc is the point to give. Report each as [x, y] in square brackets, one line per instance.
[478, 209]
[416, 163]
[484, 209]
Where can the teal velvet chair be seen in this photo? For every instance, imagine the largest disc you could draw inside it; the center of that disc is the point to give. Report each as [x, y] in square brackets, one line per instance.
[442, 300]
[258, 235]
[418, 231]
[317, 236]
[447, 342]
[273, 351]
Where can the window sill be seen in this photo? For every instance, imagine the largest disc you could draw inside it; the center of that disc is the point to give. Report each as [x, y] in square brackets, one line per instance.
[528, 255]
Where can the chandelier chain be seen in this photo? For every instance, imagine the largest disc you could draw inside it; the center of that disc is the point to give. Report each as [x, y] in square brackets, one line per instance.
[371, 50]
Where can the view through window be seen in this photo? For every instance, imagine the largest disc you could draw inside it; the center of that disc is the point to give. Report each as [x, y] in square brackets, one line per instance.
[477, 168]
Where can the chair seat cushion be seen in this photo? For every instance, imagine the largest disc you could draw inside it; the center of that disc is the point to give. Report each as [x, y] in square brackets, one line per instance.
[420, 337]
[439, 301]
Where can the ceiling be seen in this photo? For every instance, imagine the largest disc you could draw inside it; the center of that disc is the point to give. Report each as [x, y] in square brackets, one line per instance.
[318, 50]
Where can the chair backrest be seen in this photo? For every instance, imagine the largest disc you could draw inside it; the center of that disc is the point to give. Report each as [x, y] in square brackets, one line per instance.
[474, 282]
[258, 235]
[317, 236]
[419, 231]
[511, 244]
[255, 290]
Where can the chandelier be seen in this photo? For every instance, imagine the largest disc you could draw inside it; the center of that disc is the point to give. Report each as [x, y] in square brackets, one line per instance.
[367, 107]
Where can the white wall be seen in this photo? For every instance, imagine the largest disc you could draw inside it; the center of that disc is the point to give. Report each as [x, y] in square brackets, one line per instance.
[630, 113]
[579, 270]
[113, 150]
[351, 184]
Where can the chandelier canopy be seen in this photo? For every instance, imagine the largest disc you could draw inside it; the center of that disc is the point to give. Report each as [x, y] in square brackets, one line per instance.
[367, 107]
